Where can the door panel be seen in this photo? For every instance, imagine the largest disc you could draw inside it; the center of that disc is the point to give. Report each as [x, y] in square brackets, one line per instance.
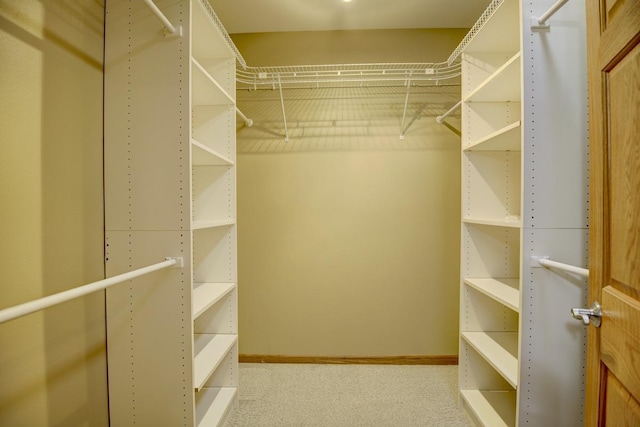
[613, 366]
[619, 27]
[620, 342]
[624, 148]
[612, 7]
[621, 408]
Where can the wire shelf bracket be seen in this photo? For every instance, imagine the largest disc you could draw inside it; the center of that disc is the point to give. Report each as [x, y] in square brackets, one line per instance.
[404, 113]
[284, 116]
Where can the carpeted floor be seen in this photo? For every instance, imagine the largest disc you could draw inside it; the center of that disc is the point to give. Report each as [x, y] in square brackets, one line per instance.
[300, 395]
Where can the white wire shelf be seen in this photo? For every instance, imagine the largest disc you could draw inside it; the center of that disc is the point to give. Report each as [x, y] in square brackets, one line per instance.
[378, 73]
[336, 75]
[480, 23]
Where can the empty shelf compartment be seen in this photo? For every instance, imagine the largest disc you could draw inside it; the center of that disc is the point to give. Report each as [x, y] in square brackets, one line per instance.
[499, 349]
[207, 294]
[213, 405]
[491, 408]
[210, 350]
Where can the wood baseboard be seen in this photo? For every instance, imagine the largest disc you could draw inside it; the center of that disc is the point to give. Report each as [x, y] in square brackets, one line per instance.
[353, 360]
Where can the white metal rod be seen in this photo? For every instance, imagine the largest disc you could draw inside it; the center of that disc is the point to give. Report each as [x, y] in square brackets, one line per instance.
[565, 267]
[247, 120]
[404, 113]
[544, 18]
[439, 119]
[284, 117]
[55, 299]
[168, 25]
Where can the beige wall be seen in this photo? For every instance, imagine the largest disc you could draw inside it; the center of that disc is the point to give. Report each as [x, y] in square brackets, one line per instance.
[348, 47]
[348, 237]
[52, 363]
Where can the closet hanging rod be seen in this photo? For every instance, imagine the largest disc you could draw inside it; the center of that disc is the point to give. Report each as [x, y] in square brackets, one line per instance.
[544, 261]
[171, 30]
[541, 23]
[55, 299]
[439, 119]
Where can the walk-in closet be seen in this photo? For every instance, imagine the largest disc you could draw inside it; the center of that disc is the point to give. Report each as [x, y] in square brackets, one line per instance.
[261, 213]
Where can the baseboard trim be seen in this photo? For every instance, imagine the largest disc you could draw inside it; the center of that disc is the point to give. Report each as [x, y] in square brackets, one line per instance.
[352, 360]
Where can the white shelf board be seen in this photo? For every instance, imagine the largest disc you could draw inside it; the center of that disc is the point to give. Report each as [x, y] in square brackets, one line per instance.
[213, 405]
[505, 291]
[208, 42]
[501, 33]
[201, 155]
[200, 225]
[207, 294]
[210, 350]
[501, 86]
[499, 349]
[506, 139]
[205, 90]
[506, 222]
[492, 408]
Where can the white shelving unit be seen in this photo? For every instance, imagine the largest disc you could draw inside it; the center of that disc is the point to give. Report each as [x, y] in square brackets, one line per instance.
[170, 185]
[524, 193]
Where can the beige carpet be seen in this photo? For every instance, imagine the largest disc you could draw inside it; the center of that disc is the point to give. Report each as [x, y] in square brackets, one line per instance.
[287, 395]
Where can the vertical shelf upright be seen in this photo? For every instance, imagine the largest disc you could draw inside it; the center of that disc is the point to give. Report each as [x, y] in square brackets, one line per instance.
[524, 194]
[170, 188]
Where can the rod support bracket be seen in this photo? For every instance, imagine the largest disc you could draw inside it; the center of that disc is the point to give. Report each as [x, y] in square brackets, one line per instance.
[536, 25]
[177, 33]
[179, 261]
[535, 261]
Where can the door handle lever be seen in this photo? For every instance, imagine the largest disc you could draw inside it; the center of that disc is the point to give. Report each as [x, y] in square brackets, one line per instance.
[591, 315]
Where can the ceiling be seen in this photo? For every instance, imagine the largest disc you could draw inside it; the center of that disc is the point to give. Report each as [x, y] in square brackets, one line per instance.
[257, 16]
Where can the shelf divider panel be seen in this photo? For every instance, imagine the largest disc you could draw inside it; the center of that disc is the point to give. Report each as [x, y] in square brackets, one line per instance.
[504, 139]
[507, 222]
[501, 86]
[207, 294]
[202, 155]
[505, 291]
[205, 89]
[200, 225]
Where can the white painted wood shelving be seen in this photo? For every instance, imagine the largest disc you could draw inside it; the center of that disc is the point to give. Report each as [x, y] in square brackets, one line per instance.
[170, 186]
[524, 193]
